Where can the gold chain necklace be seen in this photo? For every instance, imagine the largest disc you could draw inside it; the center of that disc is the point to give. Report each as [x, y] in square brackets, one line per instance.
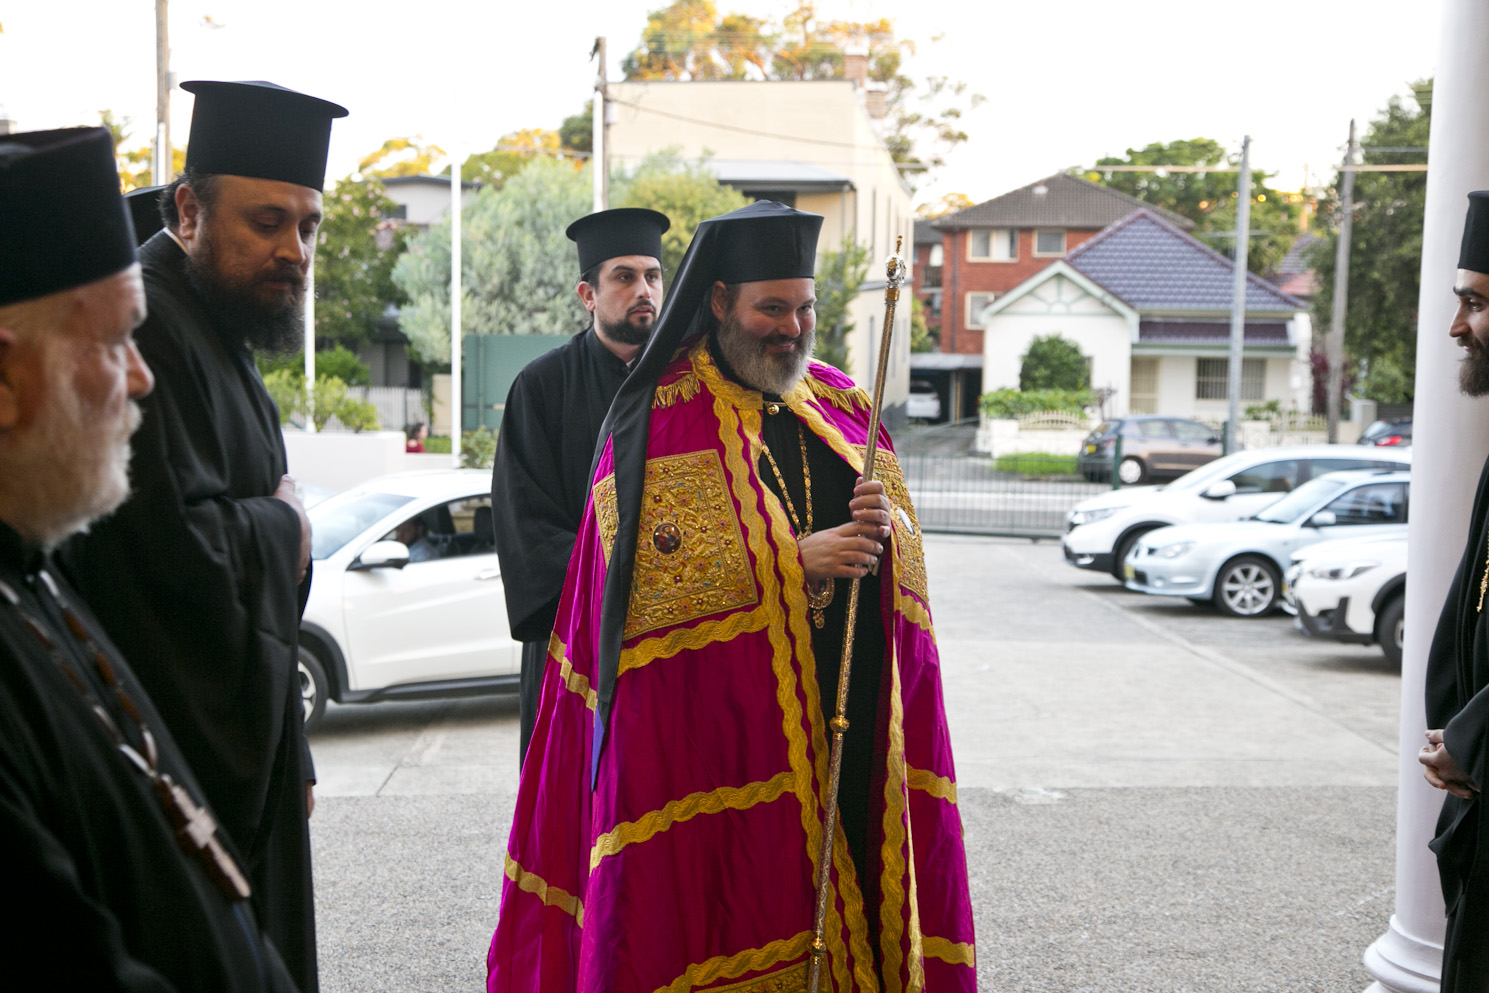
[820, 591]
[1484, 582]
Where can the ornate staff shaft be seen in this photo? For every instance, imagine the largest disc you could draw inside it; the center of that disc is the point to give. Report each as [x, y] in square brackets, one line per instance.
[895, 273]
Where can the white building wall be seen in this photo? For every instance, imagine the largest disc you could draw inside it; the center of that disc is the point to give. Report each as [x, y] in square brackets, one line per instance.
[1176, 385]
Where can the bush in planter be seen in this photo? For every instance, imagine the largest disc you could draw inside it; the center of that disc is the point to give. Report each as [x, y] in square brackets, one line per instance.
[1012, 404]
[1053, 362]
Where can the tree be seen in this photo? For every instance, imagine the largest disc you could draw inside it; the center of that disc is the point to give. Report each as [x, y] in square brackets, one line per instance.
[134, 167]
[1209, 198]
[687, 40]
[686, 192]
[518, 269]
[577, 132]
[511, 154]
[1054, 362]
[1380, 325]
[356, 249]
[840, 277]
[922, 338]
[950, 203]
[401, 157]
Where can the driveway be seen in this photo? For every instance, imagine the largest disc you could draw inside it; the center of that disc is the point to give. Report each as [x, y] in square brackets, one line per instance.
[1155, 797]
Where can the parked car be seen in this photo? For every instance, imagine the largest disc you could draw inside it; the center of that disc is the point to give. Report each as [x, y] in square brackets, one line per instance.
[1352, 590]
[1239, 564]
[1153, 447]
[1099, 532]
[1386, 433]
[406, 598]
[924, 402]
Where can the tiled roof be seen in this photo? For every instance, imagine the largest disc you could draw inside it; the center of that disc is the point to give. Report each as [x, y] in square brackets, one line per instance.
[1296, 261]
[1058, 201]
[1209, 332]
[925, 234]
[1152, 265]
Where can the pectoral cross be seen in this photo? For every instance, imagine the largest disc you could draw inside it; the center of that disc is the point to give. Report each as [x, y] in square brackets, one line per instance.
[196, 833]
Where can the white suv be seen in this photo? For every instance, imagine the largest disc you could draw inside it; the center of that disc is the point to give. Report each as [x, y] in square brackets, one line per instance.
[1099, 532]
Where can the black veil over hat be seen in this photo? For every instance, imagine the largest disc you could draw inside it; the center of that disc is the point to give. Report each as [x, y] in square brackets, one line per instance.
[144, 209]
[610, 234]
[62, 221]
[763, 241]
[260, 130]
[1474, 253]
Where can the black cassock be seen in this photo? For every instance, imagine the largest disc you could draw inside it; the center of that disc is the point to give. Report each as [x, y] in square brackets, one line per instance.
[194, 578]
[539, 483]
[1457, 695]
[101, 896]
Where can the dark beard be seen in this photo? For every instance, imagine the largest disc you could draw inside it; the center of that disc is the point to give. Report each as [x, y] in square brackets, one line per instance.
[756, 368]
[624, 332]
[277, 329]
[1473, 372]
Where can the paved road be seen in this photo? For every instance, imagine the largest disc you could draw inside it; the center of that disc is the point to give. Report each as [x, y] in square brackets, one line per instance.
[1155, 797]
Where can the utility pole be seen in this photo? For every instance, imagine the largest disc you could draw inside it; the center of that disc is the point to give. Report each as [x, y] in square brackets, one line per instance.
[162, 170]
[1334, 346]
[1238, 295]
[599, 158]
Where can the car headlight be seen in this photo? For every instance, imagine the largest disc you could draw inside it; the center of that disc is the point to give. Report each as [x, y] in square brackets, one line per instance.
[1079, 517]
[1347, 571]
[1173, 551]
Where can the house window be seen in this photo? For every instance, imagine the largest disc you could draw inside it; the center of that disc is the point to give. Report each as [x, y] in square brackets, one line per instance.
[1049, 242]
[1212, 379]
[1144, 391]
[993, 245]
[976, 304]
[933, 304]
[935, 256]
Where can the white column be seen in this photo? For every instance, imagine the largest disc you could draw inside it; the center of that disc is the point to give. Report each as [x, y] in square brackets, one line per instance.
[457, 337]
[1450, 444]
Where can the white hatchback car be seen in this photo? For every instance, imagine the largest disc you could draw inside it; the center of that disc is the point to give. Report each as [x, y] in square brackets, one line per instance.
[1239, 564]
[406, 600]
[1352, 590]
[1100, 531]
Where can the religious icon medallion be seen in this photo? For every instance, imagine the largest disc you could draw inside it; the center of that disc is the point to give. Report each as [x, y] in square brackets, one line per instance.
[667, 537]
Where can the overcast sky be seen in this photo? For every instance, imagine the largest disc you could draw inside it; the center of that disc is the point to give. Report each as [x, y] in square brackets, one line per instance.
[1066, 82]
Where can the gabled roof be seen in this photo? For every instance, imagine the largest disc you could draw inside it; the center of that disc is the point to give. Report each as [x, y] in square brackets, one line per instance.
[925, 234]
[1152, 265]
[1058, 201]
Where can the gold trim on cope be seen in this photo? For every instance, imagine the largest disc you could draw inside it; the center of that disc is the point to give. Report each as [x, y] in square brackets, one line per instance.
[749, 960]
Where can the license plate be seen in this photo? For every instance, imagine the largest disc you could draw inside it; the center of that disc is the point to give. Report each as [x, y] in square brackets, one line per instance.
[1128, 570]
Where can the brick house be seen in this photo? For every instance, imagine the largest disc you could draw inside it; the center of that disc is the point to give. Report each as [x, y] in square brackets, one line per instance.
[989, 249]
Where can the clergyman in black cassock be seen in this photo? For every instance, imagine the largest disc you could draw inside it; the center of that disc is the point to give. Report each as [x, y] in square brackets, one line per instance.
[1457, 687]
[197, 578]
[551, 421]
[117, 877]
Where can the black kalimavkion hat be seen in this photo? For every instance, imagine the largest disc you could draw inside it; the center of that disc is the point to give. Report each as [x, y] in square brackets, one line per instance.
[1474, 253]
[144, 210]
[62, 221]
[260, 130]
[763, 241]
[610, 234]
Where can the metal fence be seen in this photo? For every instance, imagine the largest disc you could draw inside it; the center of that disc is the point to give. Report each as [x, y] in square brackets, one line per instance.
[397, 406]
[956, 489]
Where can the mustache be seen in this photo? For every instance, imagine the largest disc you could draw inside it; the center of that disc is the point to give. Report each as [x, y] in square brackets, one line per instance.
[287, 273]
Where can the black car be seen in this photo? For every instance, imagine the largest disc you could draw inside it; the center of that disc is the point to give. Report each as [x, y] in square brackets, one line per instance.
[1153, 447]
[1382, 433]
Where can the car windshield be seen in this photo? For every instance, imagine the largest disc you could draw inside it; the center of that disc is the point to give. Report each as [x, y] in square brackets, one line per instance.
[1301, 500]
[1206, 474]
[341, 518]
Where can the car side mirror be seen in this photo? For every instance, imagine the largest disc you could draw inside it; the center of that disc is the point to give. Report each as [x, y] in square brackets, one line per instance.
[1220, 490]
[1323, 519]
[1214, 439]
[382, 555]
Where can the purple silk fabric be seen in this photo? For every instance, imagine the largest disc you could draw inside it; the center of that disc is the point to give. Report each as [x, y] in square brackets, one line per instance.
[691, 864]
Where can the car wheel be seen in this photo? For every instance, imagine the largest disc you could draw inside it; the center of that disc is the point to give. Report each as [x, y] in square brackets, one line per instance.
[1124, 545]
[1390, 629]
[314, 688]
[1132, 471]
[1247, 586]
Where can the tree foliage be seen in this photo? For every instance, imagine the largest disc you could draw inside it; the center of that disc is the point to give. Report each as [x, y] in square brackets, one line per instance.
[1209, 199]
[356, 249]
[134, 166]
[1054, 362]
[511, 154]
[949, 203]
[686, 192]
[840, 276]
[518, 270]
[1380, 325]
[401, 157]
[689, 40]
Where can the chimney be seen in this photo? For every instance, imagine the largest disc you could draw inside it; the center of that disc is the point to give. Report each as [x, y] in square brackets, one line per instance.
[856, 68]
[874, 101]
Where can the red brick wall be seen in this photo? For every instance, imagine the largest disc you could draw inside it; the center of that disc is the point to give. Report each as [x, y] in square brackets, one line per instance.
[960, 277]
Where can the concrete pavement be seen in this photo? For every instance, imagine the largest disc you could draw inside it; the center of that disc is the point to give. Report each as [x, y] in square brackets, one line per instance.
[1155, 797]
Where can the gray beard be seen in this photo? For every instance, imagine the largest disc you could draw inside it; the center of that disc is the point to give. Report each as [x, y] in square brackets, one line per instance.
[1473, 372]
[757, 368]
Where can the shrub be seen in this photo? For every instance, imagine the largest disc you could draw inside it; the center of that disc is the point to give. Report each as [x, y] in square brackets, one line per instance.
[1054, 362]
[478, 449]
[1009, 404]
[439, 444]
[341, 363]
[1036, 464]
[287, 389]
